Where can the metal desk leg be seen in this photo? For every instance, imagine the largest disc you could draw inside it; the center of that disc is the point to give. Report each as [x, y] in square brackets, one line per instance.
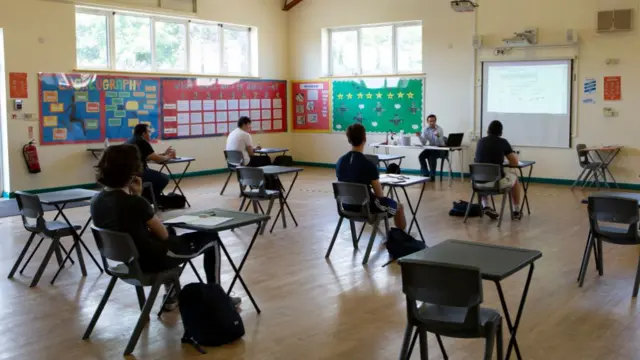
[79, 238]
[513, 327]
[179, 179]
[610, 159]
[525, 187]
[286, 205]
[461, 153]
[450, 169]
[239, 268]
[414, 212]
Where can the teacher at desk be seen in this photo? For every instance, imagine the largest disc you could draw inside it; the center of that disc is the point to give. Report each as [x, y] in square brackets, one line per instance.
[432, 135]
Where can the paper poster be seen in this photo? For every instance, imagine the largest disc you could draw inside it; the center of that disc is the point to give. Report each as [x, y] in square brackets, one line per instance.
[589, 86]
[312, 105]
[18, 88]
[612, 88]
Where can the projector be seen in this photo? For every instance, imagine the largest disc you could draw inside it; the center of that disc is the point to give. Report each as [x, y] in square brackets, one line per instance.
[463, 6]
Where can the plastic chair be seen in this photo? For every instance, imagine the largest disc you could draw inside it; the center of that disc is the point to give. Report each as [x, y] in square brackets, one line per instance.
[252, 188]
[485, 181]
[234, 160]
[620, 226]
[119, 247]
[451, 297]
[33, 220]
[589, 168]
[147, 189]
[352, 201]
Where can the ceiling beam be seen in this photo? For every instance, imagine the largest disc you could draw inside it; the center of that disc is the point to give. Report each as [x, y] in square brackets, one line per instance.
[289, 5]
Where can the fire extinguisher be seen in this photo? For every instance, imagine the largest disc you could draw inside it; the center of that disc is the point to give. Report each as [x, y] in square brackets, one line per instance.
[30, 153]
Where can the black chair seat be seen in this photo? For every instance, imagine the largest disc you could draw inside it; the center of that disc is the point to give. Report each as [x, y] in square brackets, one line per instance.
[450, 319]
[59, 229]
[255, 193]
[124, 273]
[617, 235]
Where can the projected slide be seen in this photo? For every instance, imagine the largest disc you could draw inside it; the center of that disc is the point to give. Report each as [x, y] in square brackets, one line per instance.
[528, 89]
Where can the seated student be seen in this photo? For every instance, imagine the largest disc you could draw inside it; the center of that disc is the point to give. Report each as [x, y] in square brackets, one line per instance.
[354, 167]
[434, 135]
[141, 137]
[240, 140]
[120, 207]
[493, 149]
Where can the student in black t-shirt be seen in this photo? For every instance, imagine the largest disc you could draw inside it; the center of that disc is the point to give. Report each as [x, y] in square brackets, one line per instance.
[354, 167]
[119, 207]
[493, 149]
[141, 137]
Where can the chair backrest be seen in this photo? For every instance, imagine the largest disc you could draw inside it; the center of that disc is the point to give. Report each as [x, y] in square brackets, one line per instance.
[354, 196]
[449, 287]
[251, 177]
[118, 247]
[31, 211]
[373, 158]
[147, 189]
[583, 156]
[616, 211]
[485, 173]
[234, 159]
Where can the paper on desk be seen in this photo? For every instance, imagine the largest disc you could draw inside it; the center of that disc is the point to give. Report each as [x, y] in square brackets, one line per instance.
[184, 219]
[198, 220]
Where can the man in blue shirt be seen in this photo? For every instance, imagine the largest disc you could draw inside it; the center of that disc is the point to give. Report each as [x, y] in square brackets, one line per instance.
[354, 167]
[432, 135]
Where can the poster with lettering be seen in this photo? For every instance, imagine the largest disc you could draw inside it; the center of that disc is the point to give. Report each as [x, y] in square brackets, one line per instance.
[202, 107]
[612, 88]
[70, 109]
[310, 105]
[128, 102]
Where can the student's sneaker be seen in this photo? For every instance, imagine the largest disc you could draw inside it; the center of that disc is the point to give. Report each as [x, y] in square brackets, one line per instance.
[492, 214]
[170, 304]
[236, 300]
[517, 215]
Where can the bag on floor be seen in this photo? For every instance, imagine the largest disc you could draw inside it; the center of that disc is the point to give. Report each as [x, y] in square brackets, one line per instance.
[208, 316]
[400, 244]
[393, 168]
[172, 201]
[272, 182]
[283, 160]
[460, 208]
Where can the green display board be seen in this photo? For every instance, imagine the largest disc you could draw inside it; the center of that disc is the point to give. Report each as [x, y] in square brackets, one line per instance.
[389, 104]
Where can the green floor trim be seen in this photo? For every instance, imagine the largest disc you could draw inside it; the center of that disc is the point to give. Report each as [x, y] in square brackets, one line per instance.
[11, 195]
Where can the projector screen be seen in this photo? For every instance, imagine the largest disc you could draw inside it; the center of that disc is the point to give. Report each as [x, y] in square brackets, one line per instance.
[532, 99]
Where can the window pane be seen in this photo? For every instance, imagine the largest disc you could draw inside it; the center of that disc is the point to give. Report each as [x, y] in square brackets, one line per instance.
[204, 50]
[409, 40]
[236, 51]
[171, 48]
[133, 42]
[91, 41]
[344, 52]
[377, 50]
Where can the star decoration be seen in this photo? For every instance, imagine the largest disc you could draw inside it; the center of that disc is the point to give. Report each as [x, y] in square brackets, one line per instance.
[400, 95]
[369, 96]
[390, 96]
[340, 96]
[360, 95]
[410, 95]
[379, 95]
[349, 96]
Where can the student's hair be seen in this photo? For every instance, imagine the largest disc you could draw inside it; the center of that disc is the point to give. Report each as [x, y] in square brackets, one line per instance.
[244, 120]
[495, 128]
[140, 129]
[356, 134]
[432, 116]
[118, 164]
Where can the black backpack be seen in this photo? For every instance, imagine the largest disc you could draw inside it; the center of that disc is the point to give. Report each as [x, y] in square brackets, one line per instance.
[172, 201]
[283, 160]
[400, 244]
[208, 316]
[393, 168]
[460, 208]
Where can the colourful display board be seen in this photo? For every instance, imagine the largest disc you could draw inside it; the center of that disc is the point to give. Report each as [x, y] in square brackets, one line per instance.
[84, 108]
[389, 104]
[198, 107]
[311, 103]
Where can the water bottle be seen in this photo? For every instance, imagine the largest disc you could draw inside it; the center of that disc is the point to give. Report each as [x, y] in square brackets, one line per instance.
[106, 142]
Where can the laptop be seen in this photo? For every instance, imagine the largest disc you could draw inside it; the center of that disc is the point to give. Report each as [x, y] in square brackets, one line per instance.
[454, 140]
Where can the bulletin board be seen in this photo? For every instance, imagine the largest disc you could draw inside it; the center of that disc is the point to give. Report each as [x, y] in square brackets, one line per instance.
[204, 107]
[311, 105]
[84, 108]
[384, 104]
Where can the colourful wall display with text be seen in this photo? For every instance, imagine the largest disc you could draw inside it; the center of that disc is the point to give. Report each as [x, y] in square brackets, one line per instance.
[198, 107]
[311, 105]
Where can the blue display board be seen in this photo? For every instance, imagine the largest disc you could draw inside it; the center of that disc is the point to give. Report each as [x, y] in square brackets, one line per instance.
[129, 102]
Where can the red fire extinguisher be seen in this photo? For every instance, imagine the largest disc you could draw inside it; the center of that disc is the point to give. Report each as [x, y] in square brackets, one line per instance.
[30, 153]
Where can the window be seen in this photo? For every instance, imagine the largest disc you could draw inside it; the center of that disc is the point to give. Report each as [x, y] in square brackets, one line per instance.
[375, 49]
[138, 42]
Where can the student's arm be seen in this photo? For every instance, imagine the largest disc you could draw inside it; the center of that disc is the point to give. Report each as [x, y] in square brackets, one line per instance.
[511, 156]
[249, 145]
[157, 228]
[440, 138]
[155, 157]
[149, 217]
[377, 188]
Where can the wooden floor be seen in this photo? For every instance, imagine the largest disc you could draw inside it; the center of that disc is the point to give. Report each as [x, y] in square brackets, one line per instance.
[337, 309]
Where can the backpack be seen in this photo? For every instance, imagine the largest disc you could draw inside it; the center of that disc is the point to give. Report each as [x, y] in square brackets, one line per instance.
[208, 316]
[460, 208]
[172, 201]
[400, 244]
[283, 160]
[393, 168]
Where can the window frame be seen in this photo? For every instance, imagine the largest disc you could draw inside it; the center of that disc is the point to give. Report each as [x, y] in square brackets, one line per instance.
[111, 43]
[394, 45]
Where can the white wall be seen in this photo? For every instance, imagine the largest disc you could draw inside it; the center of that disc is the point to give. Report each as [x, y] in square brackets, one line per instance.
[448, 62]
[25, 22]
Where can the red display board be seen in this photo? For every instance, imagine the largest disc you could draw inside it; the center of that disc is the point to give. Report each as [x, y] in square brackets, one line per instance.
[199, 107]
[311, 105]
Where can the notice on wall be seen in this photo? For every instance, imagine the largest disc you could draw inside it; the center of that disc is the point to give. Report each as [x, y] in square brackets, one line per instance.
[18, 88]
[311, 105]
[589, 91]
[612, 88]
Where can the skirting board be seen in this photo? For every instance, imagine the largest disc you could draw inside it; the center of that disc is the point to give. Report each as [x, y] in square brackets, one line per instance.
[537, 180]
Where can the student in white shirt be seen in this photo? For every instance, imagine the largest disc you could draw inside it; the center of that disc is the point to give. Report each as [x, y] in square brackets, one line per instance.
[434, 136]
[240, 140]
